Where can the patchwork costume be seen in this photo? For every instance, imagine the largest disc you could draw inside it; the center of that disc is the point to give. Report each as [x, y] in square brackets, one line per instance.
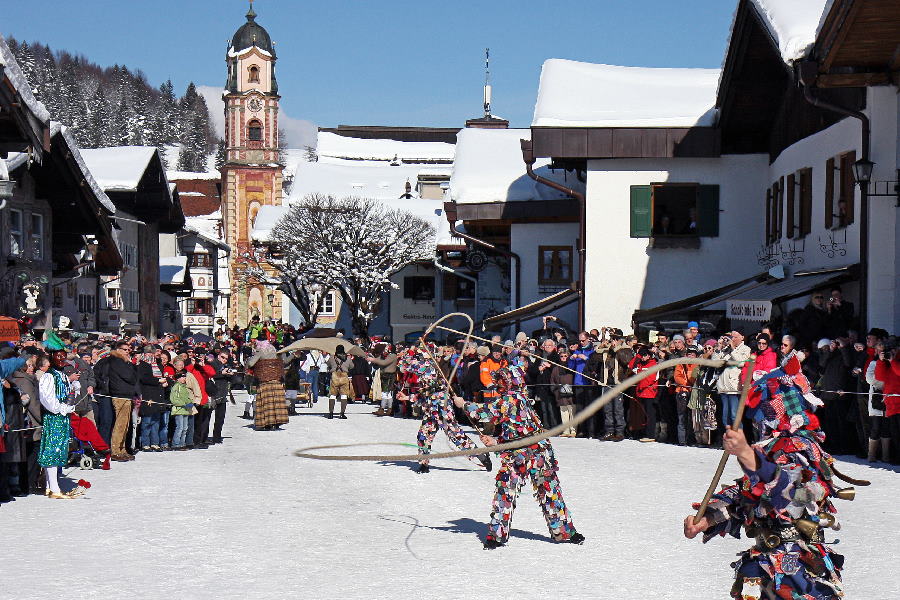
[436, 407]
[786, 502]
[511, 412]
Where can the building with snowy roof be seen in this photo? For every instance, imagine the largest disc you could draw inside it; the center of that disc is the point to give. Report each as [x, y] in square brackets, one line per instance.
[145, 205]
[700, 179]
[54, 217]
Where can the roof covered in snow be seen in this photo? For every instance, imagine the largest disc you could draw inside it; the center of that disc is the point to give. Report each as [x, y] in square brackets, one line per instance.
[266, 217]
[172, 270]
[207, 226]
[793, 24]
[60, 131]
[364, 168]
[119, 169]
[489, 168]
[177, 175]
[332, 145]
[14, 73]
[579, 94]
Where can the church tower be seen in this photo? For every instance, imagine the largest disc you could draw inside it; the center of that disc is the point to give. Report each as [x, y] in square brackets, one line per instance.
[251, 175]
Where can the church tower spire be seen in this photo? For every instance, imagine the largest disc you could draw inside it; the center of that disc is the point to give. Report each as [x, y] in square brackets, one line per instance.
[252, 175]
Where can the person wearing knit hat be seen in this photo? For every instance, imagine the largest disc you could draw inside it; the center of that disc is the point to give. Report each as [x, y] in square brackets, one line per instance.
[521, 337]
[483, 351]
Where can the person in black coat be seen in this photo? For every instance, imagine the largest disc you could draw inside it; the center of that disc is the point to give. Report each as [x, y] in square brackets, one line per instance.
[225, 369]
[118, 380]
[153, 401]
[539, 376]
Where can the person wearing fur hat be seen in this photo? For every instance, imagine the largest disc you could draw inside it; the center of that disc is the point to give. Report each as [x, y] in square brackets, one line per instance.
[784, 499]
[510, 411]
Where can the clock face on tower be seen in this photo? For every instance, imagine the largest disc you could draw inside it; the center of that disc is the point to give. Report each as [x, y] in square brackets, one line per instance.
[255, 105]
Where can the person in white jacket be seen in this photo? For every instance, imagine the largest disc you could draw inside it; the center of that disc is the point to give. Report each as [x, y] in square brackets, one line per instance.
[54, 390]
[879, 433]
[729, 383]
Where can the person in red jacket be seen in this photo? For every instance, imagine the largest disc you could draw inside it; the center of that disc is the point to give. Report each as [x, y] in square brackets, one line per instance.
[646, 390]
[887, 369]
[203, 372]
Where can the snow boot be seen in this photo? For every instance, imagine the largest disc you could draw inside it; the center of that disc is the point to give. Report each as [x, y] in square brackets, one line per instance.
[342, 416]
[423, 468]
[886, 450]
[873, 450]
[246, 415]
[575, 538]
[329, 415]
[485, 461]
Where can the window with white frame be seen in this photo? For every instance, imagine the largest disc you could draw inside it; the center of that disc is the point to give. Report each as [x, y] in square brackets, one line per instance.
[37, 236]
[328, 304]
[113, 299]
[16, 232]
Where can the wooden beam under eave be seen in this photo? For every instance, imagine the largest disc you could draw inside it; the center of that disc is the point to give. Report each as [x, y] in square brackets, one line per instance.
[834, 80]
[849, 9]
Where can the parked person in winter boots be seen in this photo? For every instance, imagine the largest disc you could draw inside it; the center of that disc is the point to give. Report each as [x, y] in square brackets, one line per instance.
[584, 387]
[119, 381]
[339, 365]
[562, 387]
[22, 446]
[154, 387]
[887, 369]
[646, 390]
[685, 376]
[879, 429]
[361, 376]
[386, 361]
[203, 372]
[225, 369]
[733, 348]
[183, 399]
[510, 411]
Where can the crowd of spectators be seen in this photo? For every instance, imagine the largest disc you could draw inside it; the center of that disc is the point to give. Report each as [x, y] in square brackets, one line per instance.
[135, 395]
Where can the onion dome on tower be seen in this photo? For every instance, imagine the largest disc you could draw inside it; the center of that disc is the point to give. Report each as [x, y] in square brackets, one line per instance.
[251, 35]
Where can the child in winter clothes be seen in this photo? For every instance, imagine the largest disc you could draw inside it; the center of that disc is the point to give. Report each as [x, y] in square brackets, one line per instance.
[182, 399]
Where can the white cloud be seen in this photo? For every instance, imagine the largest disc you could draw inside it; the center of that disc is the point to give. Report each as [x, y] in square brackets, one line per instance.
[299, 132]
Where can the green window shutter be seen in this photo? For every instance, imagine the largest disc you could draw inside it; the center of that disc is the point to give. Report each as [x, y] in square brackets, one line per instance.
[641, 211]
[708, 211]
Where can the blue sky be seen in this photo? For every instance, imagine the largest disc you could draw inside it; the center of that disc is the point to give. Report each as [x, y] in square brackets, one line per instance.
[384, 62]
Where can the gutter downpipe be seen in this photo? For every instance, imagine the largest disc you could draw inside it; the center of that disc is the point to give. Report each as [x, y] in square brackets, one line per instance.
[528, 157]
[451, 219]
[808, 74]
[446, 269]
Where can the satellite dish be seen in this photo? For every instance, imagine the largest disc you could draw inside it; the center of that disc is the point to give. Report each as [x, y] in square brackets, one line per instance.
[476, 260]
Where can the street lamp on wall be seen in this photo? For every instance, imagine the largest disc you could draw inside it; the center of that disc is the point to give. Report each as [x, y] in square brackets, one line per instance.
[862, 172]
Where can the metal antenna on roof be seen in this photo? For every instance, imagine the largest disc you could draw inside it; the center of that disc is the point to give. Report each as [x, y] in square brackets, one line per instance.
[487, 82]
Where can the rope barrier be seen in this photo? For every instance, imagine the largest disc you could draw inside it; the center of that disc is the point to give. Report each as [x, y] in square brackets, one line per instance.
[580, 417]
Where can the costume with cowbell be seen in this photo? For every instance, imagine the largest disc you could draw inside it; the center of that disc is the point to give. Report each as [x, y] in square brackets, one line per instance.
[786, 502]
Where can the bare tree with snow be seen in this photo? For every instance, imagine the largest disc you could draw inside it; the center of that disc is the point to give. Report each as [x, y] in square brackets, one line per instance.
[350, 245]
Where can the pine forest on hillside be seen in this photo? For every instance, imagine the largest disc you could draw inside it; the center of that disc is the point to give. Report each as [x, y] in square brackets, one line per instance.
[116, 106]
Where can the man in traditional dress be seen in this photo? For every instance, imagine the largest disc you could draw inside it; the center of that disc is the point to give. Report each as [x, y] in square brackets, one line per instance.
[511, 412]
[783, 499]
[55, 392]
[434, 400]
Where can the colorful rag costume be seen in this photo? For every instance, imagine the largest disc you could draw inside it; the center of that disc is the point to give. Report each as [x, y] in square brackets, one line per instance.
[786, 502]
[54, 395]
[511, 412]
[434, 402]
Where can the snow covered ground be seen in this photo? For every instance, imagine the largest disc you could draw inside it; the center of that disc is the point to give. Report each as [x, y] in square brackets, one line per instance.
[248, 520]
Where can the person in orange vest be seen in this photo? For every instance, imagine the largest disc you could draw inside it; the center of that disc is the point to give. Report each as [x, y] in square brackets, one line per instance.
[489, 365]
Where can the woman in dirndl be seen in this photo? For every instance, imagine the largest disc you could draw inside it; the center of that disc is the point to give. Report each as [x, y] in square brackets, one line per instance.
[54, 392]
[271, 400]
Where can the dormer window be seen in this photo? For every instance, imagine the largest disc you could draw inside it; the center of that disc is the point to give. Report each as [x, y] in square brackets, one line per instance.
[254, 131]
[253, 74]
